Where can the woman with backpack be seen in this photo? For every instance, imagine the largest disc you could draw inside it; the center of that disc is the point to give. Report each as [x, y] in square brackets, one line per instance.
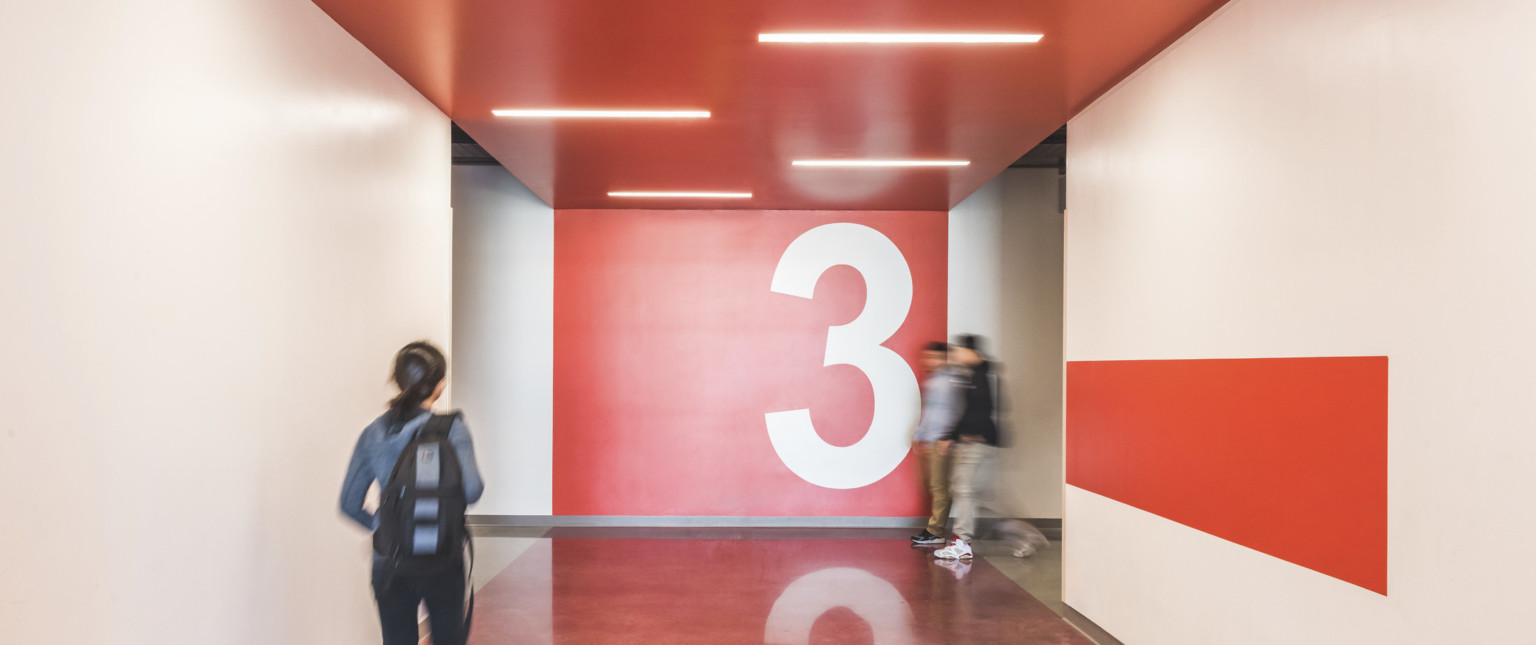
[424, 464]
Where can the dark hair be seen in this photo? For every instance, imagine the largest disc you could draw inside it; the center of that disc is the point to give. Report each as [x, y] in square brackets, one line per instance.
[419, 367]
[937, 346]
[970, 341]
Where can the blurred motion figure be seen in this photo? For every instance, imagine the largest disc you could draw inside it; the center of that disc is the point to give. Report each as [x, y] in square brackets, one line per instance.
[973, 442]
[425, 466]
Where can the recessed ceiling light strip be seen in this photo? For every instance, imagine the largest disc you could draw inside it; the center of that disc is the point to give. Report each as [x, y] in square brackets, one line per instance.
[679, 193]
[879, 163]
[603, 114]
[899, 38]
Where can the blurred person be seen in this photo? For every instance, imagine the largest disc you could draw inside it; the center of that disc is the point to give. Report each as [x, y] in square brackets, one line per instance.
[1022, 537]
[418, 529]
[975, 440]
[941, 408]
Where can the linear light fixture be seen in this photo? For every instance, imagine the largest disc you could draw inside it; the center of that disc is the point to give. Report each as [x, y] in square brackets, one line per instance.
[879, 163]
[603, 114]
[900, 38]
[679, 193]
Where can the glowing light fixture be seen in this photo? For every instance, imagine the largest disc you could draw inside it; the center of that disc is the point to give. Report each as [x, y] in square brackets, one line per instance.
[679, 193]
[603, 114]
[879, 163]
[900, 38]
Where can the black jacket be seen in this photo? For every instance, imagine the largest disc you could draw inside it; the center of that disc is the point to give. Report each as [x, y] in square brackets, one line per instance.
[980, 415]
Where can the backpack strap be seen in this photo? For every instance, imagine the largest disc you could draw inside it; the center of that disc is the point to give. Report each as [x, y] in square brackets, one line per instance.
[469, 581]
[439, 426]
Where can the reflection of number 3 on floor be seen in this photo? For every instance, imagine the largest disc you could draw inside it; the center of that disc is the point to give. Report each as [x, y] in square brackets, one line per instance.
[865, 594]
[888, 283]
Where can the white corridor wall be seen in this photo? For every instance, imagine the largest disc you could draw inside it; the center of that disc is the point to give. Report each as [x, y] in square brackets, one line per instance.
[504, 323]
[1340, 178]
[220, 219]
[1005, 264]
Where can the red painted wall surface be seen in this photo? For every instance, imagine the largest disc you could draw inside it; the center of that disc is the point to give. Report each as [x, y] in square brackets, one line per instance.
[1287, 456]
[670, 348]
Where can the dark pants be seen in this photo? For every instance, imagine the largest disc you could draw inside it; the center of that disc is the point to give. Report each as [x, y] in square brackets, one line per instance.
[444, 595]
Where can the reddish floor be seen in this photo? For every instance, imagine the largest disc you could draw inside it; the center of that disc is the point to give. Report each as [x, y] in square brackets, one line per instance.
[622, 590]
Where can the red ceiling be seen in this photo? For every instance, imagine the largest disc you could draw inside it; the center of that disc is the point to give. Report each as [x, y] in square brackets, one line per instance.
[771, 103]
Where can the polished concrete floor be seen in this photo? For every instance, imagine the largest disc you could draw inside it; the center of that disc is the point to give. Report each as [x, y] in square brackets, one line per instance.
[693, 585]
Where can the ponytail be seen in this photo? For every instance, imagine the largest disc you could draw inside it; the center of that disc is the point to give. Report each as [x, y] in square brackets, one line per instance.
[419, 367]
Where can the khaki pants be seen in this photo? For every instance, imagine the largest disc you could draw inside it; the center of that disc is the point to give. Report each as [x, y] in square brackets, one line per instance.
[970, 469]
[936, 481]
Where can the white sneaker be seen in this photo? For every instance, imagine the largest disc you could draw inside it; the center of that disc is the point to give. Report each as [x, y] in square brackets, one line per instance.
[958, 550]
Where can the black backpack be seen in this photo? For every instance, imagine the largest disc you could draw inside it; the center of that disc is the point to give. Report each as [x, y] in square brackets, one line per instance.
[421, 508]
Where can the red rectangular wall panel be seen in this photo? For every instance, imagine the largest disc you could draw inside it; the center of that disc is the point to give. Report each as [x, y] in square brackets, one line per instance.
[670, 347]
[1286, 456]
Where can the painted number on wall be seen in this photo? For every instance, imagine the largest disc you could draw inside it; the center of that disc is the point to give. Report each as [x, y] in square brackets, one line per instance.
[888, 283]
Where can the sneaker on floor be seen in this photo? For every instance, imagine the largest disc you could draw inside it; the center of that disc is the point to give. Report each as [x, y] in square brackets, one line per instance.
[959, 550]
[926, 539]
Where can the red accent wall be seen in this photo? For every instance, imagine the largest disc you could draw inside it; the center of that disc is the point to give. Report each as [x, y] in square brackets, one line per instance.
[1287, 456]
[670, 348]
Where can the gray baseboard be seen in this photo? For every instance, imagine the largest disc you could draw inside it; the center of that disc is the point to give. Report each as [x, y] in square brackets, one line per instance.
[692, 521]
[1051, 527]
[1088, 627]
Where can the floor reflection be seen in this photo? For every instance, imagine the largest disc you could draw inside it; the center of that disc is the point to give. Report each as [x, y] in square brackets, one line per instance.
[782, 591]
[873, 600]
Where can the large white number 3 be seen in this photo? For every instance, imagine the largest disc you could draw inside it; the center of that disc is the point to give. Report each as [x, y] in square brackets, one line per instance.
[888, 284]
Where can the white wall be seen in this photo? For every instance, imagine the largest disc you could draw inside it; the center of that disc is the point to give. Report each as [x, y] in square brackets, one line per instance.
[1350, 177]
[504, 325]
[220, 219]
[1005, 272]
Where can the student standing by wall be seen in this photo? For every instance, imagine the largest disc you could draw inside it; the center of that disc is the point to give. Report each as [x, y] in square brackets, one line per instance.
[941, 407]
